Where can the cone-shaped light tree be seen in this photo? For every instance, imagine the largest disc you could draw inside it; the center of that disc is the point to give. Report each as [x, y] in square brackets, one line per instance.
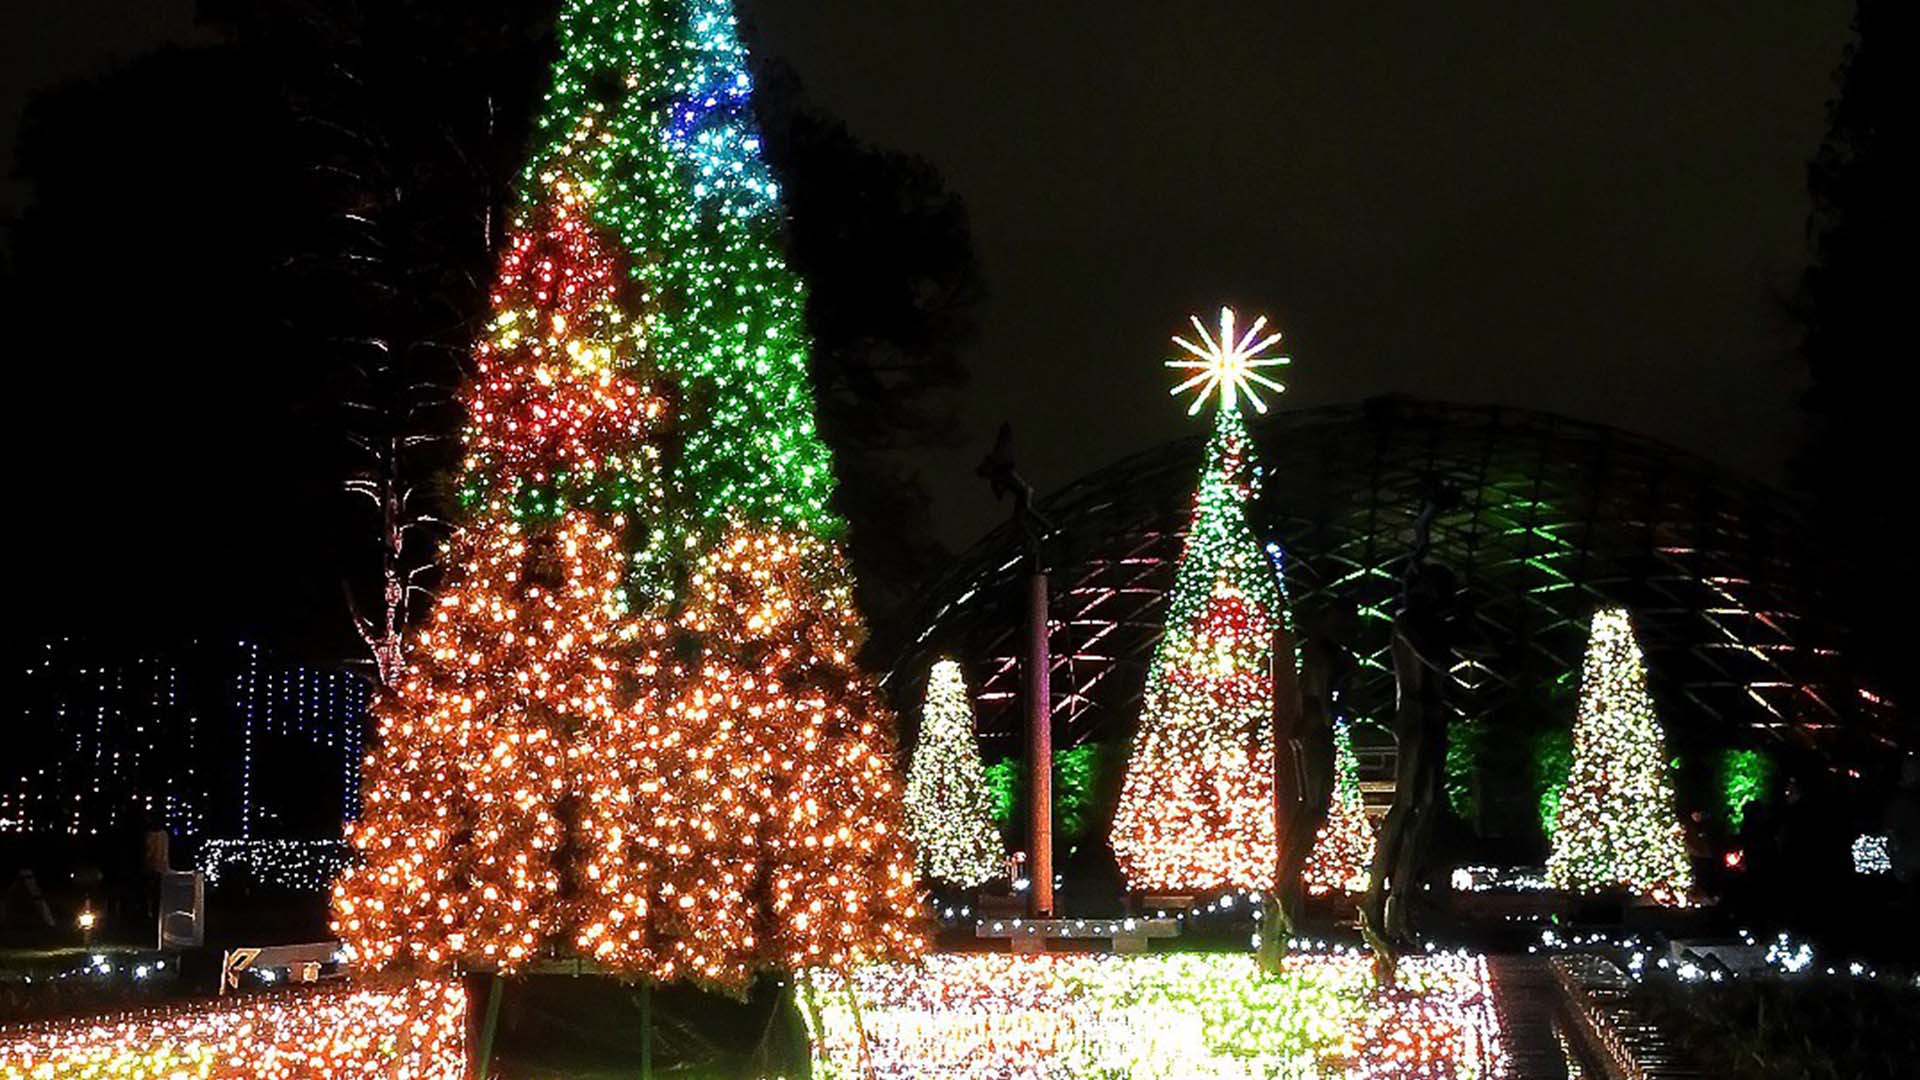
[1343, 846]
[949, 809]
[1617, 827]
[1196, 806]
[634, 729]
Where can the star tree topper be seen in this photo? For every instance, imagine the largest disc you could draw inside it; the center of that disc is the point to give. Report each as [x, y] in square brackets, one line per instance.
[1228, 363]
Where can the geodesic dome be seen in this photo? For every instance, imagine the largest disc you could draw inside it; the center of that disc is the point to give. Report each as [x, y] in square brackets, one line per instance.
[1555, 518]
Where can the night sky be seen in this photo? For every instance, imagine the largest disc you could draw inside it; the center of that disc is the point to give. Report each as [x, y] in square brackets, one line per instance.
[1595, 209]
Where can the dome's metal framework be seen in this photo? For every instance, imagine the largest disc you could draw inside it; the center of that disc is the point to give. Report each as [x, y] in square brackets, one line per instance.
[1556, 517]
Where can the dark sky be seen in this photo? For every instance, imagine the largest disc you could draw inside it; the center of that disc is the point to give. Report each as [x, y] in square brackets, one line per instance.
[1591, 208]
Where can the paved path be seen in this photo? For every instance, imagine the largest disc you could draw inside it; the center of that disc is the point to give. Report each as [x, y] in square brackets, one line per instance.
[1525, 998]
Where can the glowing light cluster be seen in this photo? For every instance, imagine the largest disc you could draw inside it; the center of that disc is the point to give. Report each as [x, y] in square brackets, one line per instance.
[555, 417]
[1169, 1016]
[633, 727]
[650, 106]
[1196, 806]
[300, 865]
[1343, 847]
[1228, 364]
[460, 845]
[1616, 827]
[1871, 855]
[760, 821]
[417, 1032]
[949, 808]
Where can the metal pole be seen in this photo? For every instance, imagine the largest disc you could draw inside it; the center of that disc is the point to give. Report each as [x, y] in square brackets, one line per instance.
[489, 1025]
[646, 1031]
[1039, 748]
[1280, 670]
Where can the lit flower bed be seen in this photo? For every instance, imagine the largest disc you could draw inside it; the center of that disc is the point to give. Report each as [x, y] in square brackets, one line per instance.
[1171, 1016]
[412, 1033]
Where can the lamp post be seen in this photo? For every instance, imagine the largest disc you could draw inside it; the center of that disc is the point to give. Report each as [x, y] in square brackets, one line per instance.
[998, 470]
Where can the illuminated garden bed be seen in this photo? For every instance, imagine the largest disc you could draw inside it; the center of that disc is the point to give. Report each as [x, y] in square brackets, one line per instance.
[416, 1032]
[1168, 1016]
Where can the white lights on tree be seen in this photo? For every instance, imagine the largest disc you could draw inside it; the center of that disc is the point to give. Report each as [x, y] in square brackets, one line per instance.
[949, 809]
[1617, 828]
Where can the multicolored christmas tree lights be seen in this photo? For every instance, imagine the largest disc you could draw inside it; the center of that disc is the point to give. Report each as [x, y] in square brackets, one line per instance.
[634, 729]
[1171, 1016]
[417, 1031]
[1616, 826]
[949, 809]
[1196, 806]
[1343, 846]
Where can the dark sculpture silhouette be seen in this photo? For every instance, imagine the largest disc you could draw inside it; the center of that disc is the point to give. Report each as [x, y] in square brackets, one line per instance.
[1304, 715]
[1423, 646]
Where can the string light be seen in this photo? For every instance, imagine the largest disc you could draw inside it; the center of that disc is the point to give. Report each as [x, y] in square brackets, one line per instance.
[300, 865]
[761, 823]
[1616, 826]
[416, 1032]
[633, 728]
[1196, 806]
[651, 107]
[1169, 1016]
[119, 741]
[949, 809]
[1342, 855]
[459, 844]
[1871, 854]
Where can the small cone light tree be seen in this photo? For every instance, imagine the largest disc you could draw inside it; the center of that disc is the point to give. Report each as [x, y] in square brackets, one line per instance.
[949, 809]
[1196, 805]
[634, 729]
[1343, 846]
[1616, 827]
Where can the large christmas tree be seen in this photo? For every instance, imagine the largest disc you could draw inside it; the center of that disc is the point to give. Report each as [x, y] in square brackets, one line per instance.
[1616, 827]
[634, 730]
[1196, 807]
[949, 808]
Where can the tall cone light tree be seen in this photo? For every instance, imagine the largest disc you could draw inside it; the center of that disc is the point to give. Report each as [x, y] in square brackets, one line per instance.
[714, 793]
[1617, 827]
[1196, 806]
[949, 808]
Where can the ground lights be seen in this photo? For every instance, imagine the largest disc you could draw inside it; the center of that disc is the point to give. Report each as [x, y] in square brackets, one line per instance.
[416, 1032]
[1175, 1015]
